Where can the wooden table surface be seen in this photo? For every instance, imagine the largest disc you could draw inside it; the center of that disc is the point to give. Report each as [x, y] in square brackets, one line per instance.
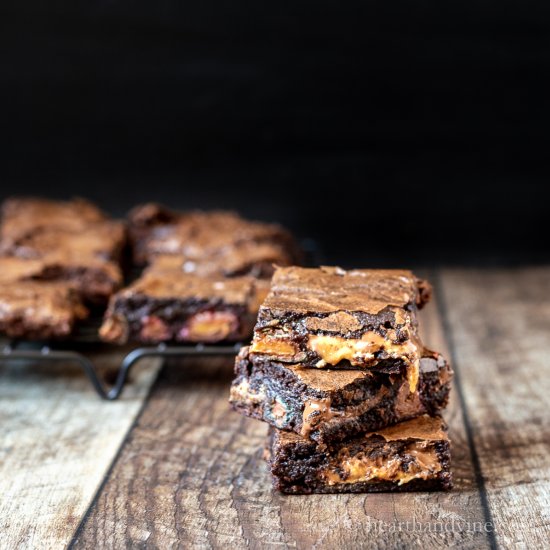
[170, 466]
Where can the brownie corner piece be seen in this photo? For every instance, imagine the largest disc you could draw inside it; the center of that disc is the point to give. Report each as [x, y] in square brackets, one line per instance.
[411, 456]
[172, 306]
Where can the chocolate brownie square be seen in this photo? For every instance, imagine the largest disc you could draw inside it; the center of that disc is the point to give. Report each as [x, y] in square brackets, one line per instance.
[23, 216]
[93, 279]
[209, 243]
[70, 242]
[330, 317]
[103, 240]
[329, 405]
[411, 456]
[170, 306]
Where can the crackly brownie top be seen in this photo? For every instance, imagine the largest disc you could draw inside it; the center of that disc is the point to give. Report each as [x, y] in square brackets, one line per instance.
[183, 286]
[334, 290]
[57, 264]
[422, 428]
[200, 235]
[20, 216]
[39, 301]
[103, 239]
[243, 258]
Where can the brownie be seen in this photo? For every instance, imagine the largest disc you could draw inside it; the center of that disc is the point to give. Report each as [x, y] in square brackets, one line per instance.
[330, 405]
[93, 279]
[209, 243]
[70, 242]
[329, 317]
[173, 306]
[102, 240]
[410, 456]
[24, 216]
[38, 310]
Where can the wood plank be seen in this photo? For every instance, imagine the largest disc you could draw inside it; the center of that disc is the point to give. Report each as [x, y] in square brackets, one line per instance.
[191, 475]
[500, 334]
[58, 439]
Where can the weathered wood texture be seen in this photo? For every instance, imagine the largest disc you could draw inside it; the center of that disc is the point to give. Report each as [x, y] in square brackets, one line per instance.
[500, 336]
[58, 440]
[191, 476]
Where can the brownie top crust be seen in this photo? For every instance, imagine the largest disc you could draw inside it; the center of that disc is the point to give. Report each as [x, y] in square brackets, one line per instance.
[335, 290]
[102, 240]
[57, 265]
[159, 284]
[209, 242]
[21, 216]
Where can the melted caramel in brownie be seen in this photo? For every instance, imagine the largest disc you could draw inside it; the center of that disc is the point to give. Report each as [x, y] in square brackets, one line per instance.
[282, 348]
[332, 350]
[209, 326]
[420, 457]
[317, 411]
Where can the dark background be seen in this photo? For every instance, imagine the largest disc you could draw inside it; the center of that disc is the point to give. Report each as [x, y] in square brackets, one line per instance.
[393, 133]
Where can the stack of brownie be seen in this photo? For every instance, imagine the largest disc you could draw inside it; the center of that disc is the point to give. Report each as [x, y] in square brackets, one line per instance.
[56, 260]
[206, 275]
[338, 370]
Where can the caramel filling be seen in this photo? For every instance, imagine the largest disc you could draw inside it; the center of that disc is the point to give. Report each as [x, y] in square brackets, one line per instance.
[209, 326]
[274, 346]
[422, 463]
[317, 411]
[333, 349]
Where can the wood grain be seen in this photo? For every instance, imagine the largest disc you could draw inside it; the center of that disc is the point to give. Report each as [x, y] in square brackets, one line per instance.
[191, 476]
[58, 440]
[500, 335]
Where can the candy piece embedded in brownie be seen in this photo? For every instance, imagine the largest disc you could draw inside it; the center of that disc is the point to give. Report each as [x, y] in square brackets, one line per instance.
[209, 243]
[410, 456]
[169, 305]
[39, 310]
[329, 317]
[330, 405]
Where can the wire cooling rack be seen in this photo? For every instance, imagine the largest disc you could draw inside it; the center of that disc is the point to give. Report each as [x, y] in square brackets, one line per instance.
[20, 351]
[86, 336]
